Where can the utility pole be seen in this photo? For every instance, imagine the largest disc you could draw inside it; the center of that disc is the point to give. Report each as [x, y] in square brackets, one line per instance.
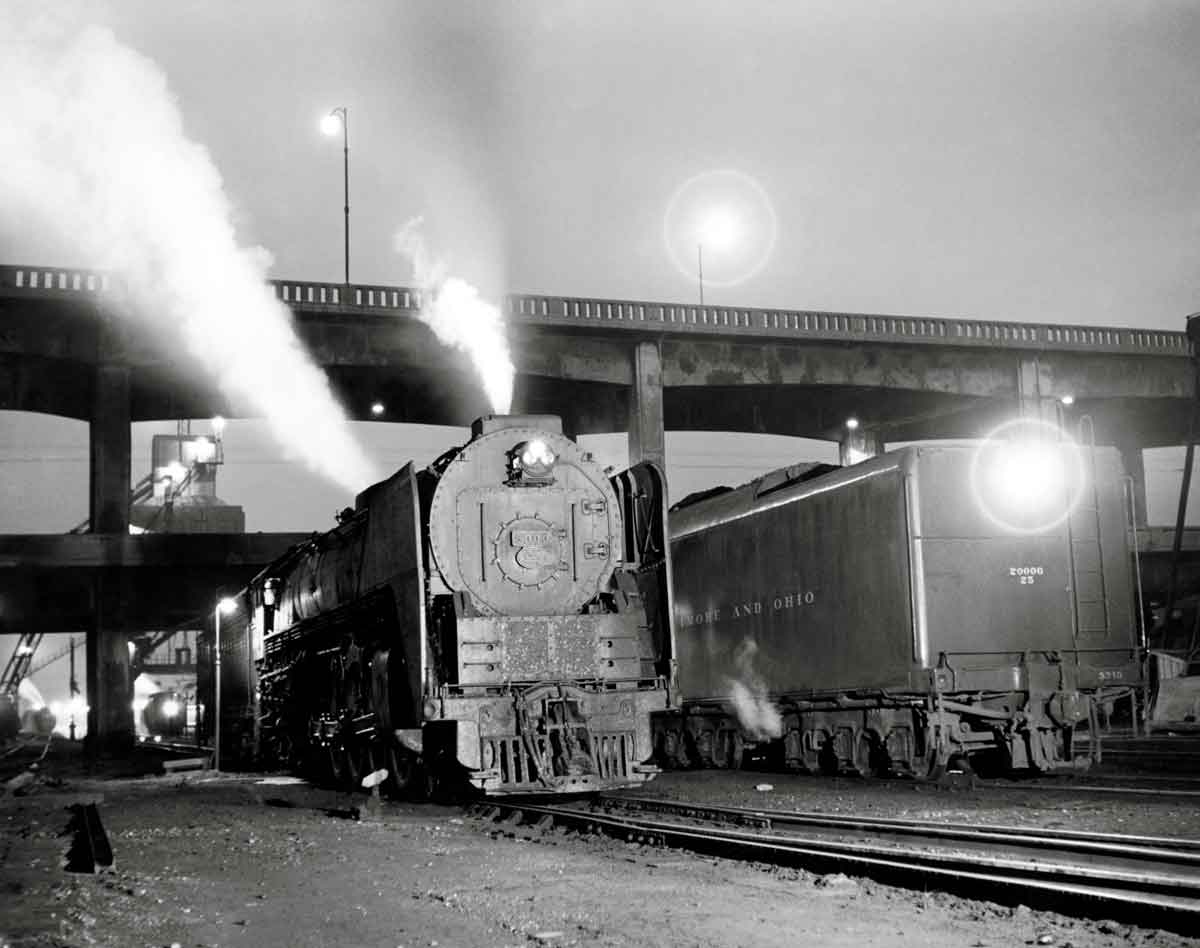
[73, 688]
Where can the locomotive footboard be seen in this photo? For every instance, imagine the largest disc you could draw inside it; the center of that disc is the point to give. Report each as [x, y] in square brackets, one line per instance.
[552, 737]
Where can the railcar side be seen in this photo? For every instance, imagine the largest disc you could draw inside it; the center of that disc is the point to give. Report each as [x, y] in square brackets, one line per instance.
[876, 617]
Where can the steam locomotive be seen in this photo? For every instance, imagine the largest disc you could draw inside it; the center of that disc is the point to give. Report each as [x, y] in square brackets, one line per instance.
[931, 607]
[498, 620]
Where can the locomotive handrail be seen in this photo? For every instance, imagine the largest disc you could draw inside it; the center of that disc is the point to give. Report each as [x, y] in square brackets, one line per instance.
[657, 317]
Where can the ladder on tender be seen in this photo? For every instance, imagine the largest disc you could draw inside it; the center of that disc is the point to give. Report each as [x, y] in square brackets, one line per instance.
[1086, 538]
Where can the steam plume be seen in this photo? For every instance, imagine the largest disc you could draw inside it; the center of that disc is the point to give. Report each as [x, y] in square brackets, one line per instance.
[453, 309]
[97, 165]
[756, 713]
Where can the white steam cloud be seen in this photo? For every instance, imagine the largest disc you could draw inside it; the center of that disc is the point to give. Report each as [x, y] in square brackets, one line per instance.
[459, 317]
[96, 163]
[756, 713]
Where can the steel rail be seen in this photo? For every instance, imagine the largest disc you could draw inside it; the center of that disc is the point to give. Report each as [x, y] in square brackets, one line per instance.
[1168, 848]
[1129, 788]
[1135, 886]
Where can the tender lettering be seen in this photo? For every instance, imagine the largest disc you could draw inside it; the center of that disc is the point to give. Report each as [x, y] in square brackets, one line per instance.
[701, 618]
[1026, 575]
[751, 607]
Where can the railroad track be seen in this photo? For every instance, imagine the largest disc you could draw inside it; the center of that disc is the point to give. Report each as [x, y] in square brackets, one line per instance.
[1151, 881]
[1141, 785]
[175, 747]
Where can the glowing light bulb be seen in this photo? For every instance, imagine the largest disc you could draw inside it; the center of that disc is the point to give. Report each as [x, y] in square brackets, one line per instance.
[331, 124]
[720, 229]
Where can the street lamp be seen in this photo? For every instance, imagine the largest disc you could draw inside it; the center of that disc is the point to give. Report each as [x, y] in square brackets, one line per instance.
[330, 124]
[224, 607]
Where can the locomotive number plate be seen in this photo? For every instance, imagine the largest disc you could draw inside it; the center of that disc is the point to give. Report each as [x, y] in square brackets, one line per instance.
[521, 538]
[1027, 575]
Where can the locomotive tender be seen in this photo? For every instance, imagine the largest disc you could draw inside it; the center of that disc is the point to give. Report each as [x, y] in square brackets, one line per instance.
[499, 618]
[881, 617]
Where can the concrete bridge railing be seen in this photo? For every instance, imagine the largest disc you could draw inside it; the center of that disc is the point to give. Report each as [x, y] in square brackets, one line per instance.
[361, 300]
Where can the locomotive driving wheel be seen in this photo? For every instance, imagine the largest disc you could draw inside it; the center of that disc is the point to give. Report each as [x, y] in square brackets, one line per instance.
[348, 764]
[336, 764]
[404, 771]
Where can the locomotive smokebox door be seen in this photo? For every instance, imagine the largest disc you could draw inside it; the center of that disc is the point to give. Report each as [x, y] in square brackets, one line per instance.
[525, 522]
[532, 551]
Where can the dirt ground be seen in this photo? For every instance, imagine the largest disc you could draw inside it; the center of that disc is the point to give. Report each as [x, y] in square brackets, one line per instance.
[207, 860]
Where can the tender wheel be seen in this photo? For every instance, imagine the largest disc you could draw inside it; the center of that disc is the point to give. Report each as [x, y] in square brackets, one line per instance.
[737, 750]
[719, 753]
[864, 754]
[814, 743]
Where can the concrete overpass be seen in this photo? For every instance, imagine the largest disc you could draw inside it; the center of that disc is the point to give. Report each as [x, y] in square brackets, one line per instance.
[611, 365]
[605, 365]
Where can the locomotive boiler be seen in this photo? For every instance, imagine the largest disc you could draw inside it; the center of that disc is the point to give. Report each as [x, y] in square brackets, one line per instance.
[931, 606]
[499, 619]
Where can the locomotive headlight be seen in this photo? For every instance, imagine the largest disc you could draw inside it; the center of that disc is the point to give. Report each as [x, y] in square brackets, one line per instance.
[532, 459]
[1027, 476]
[170, 708]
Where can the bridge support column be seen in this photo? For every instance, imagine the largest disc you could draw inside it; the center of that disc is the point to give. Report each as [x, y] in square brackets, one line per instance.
[109, 689]
[647, 441]
[109, 685]
[858, 445]
[1135, 468]
[109, 437]
[1035, 388]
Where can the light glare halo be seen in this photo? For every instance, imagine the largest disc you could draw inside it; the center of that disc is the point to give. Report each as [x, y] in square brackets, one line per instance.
[735, 210]
[1006, 472]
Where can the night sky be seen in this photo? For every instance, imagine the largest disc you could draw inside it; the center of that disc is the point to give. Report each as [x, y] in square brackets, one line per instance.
[1016, 160]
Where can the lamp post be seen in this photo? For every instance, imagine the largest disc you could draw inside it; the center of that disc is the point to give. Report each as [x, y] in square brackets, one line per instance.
[339, 119]
[224, 606]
